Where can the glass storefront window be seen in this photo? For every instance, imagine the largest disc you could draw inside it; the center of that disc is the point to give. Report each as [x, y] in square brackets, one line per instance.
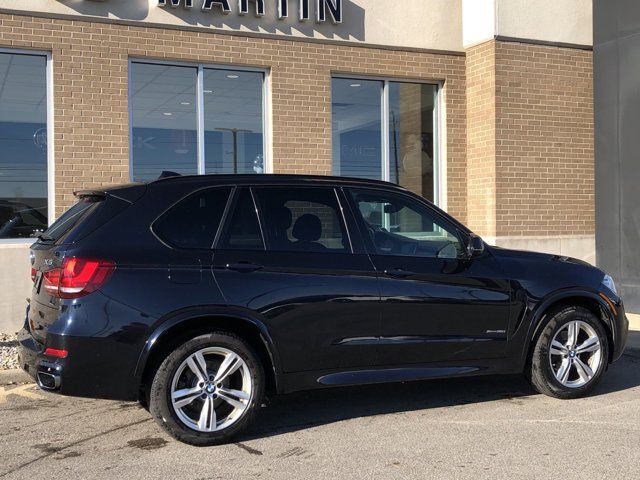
[233, 121]
[357, 128]
[23, 143]
[411, 142]
[404, 150]
[166, 118]
[164, 106]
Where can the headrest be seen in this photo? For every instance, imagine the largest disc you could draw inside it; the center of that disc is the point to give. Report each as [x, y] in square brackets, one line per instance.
[281, 217]
[308, 228]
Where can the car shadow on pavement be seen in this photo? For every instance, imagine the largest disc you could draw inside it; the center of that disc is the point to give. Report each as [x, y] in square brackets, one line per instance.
[298, 411]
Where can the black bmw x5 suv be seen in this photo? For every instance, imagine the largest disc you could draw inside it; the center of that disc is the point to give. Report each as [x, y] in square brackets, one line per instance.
[198, 295]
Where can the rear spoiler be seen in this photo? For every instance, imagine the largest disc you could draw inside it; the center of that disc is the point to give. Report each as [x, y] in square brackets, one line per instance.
[129, 193]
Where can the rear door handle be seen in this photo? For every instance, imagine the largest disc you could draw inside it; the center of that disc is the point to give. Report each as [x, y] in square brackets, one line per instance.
[399, 273]
[243, 267]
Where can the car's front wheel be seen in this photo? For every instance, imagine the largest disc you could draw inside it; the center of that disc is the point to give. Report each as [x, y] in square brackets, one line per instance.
[208, 389]
[570, 355]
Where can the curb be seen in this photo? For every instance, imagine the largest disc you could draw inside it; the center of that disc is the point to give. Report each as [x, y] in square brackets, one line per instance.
[14, 376]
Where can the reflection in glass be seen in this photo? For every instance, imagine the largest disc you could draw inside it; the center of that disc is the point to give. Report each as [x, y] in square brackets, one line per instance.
[403, 227]
[411, 153]
[23, 143]
[233, 121]
[164, 106]
[357, 130]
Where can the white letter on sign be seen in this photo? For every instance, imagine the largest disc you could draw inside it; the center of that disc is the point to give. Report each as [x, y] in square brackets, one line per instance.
[243, 7]
[223, 4]
[334, 7]
[176, 3]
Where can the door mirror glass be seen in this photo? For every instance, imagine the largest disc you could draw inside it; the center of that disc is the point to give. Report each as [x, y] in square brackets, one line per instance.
[475, 246]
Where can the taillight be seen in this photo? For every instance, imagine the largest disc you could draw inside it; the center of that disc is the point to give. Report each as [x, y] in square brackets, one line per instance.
[51, 281]
[77, 277]
[34, 274]
[55, 352]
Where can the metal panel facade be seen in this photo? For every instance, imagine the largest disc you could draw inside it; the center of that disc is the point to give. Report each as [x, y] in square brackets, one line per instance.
[617, 143]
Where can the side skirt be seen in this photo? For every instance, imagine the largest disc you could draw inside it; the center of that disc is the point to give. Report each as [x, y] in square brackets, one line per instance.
[293, 382]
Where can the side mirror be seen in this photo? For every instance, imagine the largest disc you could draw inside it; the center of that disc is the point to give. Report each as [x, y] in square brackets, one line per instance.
[475, 246]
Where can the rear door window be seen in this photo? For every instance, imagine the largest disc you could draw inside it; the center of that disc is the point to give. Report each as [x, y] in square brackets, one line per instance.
[194, 221]
[302, 219]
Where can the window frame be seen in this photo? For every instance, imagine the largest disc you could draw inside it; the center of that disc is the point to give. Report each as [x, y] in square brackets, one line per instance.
[225, 222]
[341, 215]
[49, 89]
[267, 136]
[449, 224]
[439, 190]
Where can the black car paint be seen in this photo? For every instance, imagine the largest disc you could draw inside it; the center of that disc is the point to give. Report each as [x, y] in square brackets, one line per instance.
[337, 319]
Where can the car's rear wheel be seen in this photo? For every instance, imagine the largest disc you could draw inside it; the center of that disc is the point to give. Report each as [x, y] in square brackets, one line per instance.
[570, 355]
[208, 389]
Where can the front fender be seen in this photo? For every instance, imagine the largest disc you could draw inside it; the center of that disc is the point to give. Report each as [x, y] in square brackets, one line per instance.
[542, 307]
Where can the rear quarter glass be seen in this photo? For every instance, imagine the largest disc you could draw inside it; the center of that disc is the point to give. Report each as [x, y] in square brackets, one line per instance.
[193, 222]
[86, 216]
[72, 218]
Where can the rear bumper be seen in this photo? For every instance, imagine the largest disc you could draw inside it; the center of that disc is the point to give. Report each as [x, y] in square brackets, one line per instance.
[86, 372]
[31, 360]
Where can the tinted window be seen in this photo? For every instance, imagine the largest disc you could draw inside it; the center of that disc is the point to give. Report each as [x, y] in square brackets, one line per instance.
[23, 145]
[359, 110]
[302, 219]
[233, 130]
[165, 127]
[398, 225]
[243, 230]
[194, 221]
[357, 127]
[164, 115]
[411, 142]
[71, 217]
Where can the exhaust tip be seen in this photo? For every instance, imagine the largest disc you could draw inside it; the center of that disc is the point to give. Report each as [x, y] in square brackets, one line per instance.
[47, 381]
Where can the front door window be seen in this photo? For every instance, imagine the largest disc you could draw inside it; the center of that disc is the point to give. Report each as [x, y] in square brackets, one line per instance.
[397, 225]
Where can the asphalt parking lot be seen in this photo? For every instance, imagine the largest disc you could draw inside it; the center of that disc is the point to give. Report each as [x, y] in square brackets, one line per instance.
[491, 427]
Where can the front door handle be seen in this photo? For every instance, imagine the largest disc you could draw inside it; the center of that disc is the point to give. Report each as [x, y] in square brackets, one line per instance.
[399, 273]
[243, 267]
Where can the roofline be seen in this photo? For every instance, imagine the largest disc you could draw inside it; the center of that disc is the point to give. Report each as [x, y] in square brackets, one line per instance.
[261, 178]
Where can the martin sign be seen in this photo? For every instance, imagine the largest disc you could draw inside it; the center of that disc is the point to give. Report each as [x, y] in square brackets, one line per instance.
[324, 9]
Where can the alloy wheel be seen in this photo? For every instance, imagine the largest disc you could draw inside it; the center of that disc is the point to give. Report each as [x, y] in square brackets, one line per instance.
[575, 354]
[211, 389]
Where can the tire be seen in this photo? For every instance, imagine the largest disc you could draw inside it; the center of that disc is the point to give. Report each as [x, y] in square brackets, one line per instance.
[191, 419]
[549, 364]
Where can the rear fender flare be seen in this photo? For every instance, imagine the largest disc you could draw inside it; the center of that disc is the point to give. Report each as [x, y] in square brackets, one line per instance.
[169, 321]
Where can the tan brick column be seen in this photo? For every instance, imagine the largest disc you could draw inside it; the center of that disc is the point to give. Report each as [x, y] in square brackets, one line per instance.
[530, 145]
[481, 139]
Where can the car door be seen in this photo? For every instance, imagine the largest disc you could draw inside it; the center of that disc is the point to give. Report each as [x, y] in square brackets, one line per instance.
[438, 304]
[297, 266]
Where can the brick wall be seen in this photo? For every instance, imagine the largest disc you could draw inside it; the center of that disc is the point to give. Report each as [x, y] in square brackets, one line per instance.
[481, 138]
[544, 132]
[91, 99]
[530, 140]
